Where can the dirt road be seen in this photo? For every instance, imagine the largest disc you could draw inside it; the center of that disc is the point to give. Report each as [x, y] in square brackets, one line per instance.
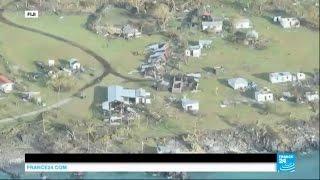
[107, 69]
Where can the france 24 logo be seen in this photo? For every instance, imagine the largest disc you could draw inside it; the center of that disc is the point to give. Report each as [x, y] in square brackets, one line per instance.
[286, 162]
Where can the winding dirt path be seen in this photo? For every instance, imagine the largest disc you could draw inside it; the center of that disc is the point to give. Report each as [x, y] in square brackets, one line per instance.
[107, 69]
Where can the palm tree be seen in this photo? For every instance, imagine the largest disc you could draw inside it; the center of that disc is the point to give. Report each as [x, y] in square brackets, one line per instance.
[90, 129]
[43, 123]
[106, 140]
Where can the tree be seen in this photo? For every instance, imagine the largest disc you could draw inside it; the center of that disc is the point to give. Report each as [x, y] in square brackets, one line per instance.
[62, 83]
[90, 130]
[106, 140]
[313, 15]
[162, 14]
[258, 4]
[137, 4]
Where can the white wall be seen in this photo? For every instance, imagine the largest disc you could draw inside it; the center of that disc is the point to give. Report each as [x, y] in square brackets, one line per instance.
[6, 88]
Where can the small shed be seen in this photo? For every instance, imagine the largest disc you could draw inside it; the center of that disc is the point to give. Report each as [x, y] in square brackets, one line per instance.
[190, 105]
[194, 51]
[238, 83]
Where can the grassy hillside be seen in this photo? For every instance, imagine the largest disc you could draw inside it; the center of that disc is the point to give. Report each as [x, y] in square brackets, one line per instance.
[290, 50]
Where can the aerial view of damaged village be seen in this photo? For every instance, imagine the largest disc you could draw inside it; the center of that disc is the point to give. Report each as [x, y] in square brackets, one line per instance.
[157, 76]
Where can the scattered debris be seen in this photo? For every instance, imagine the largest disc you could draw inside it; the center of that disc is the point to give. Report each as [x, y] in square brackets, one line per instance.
[312, 96]
[116, 108]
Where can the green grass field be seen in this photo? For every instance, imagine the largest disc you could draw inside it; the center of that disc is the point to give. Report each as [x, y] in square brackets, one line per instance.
[290, 50]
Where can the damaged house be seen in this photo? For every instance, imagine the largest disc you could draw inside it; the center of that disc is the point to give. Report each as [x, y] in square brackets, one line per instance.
[157, 47]
[211, 24]
[185, 82]
[312, 96]
[119, 99]
[287, 22]
[242, 23]
[126, 96]
[129, 31]
[215, 26]
[249, 37]
[74, 64]
[263, 95]
[280, 77]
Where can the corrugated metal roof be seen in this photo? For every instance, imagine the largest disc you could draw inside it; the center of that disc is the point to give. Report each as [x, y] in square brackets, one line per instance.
[131, 93]
[234, 81]
[115, 93]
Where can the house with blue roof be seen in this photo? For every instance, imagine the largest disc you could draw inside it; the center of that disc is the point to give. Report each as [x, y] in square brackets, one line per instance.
[125, 96]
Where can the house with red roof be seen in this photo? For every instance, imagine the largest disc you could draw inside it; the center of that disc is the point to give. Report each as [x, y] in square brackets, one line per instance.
[6, 85]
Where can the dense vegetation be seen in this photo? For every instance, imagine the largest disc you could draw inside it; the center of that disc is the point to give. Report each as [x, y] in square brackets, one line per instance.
[307, 10]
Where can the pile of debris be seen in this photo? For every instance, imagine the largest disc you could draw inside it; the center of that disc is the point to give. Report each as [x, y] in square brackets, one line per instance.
[33, 97]
[154, 67]
[54, 70]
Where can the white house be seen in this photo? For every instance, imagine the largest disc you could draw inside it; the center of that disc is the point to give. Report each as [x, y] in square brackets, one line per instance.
[280, 77]
[263, 95]
[312, 96]
[127, 96]
[190, 105]
[287, 22]
[215, 26]
[242, 24]
[6, 85]
[194, 51]
[74, 64]
[238, 83]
